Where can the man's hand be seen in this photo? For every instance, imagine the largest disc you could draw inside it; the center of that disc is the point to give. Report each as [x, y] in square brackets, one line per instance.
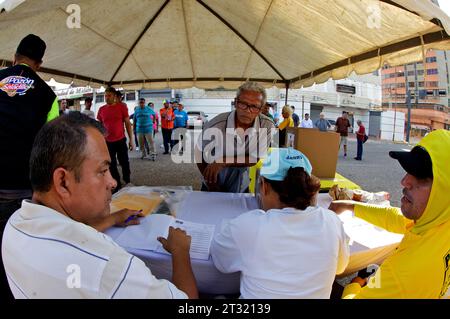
[126, 217]
[122, 218]
[361, 281]
[211, 173]
[131, 145]
[177, 241]
[340, 206]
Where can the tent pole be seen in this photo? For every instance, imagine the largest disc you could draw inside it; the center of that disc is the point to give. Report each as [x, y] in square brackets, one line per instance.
[287, 93]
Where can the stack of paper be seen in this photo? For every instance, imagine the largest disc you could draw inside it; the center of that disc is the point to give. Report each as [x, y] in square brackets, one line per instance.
[144, 236]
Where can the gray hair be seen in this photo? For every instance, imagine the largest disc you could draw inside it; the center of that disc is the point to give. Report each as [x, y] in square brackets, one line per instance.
[359, 122]
[253, 87]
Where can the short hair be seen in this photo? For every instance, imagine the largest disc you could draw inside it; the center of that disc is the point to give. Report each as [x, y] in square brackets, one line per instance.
[306, 114]
[287, 109]
[293, 107]
[60, 143]
[253, 87]
[88, 99]
[297, 189]
[112, 90]
[142, 99]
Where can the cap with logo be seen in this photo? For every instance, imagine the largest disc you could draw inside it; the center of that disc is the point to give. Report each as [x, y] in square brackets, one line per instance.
[280, 160]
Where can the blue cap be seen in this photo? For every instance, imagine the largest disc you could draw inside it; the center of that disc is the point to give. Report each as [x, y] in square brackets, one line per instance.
[280, 160]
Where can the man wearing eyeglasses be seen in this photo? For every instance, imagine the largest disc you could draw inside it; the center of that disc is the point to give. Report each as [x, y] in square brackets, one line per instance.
[234, 141]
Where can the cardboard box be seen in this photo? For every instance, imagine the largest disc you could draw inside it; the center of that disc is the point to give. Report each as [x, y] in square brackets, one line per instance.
[321, 148]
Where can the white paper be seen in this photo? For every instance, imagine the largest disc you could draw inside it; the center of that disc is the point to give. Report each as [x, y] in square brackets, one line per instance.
[144, 236]
[201, 238]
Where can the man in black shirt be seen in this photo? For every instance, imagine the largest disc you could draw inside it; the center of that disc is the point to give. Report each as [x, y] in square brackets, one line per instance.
[26, 104]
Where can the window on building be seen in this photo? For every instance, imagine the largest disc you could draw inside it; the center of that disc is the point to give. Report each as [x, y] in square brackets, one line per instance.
[411, 84]
[410, 73]
[420, 72]
[431, 59]
[130, 96]
[442, 92]
[431, 84]
[432, 71]
[100, 98]
[422, 84]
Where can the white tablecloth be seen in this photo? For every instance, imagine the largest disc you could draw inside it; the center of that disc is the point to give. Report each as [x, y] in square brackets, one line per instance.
[368, 244]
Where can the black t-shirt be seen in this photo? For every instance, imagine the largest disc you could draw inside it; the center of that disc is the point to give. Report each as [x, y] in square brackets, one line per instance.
[25, 101]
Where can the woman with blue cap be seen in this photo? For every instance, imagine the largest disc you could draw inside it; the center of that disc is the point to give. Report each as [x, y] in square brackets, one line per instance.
[290, 248]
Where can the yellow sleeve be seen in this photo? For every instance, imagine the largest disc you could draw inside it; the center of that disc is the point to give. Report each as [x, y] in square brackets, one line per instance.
[54, 111]
[389, 218]
[283, 125]
[383, 285]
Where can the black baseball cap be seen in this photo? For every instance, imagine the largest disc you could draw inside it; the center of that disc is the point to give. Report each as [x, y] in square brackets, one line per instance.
[32, 47]
[417, 162]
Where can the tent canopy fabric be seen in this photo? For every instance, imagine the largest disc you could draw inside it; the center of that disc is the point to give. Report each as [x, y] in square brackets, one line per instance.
[157, 44]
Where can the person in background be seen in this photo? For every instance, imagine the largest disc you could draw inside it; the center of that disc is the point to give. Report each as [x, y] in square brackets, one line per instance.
[167, 122]
[360, 134]
[114, 115]
[287, 122]
[342, 127]
[59, 230]
[24, 109]
[266, 111]
[143, 124]
[155, 119]
[420, 267]
[322, 124]
[295, 117]
[290, 248]
[87, 108]
[180, 126]
[227, 169]
[307, 122]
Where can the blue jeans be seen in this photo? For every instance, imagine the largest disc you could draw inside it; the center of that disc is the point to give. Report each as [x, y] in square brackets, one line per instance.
[359, 150]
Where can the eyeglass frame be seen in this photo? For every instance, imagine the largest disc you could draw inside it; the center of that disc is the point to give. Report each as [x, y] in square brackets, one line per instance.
[247, 106]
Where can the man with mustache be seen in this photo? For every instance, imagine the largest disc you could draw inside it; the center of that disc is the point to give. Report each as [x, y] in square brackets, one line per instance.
[52, 247]
[420, 266]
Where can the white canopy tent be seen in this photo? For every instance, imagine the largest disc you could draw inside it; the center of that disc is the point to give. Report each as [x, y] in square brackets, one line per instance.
[156, 44]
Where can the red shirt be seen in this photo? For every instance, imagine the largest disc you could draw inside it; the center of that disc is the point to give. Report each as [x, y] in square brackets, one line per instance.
[167, 118]
[361, 132]
[342, 126]
[113, 117]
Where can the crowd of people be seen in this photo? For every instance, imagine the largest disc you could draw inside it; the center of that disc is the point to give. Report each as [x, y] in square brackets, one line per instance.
[56, 189]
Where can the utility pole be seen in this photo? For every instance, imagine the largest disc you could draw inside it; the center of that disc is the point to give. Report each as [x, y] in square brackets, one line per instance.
[408, 103]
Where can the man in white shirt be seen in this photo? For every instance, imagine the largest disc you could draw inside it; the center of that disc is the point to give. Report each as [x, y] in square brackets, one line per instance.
[87, 108]
[291, 248]
[307, 122]
[52, 247]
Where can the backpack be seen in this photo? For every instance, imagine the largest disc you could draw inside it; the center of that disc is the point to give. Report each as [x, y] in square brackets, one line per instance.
[365, 138]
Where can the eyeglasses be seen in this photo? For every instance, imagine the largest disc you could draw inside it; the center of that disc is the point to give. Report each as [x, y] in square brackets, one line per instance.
[245, 106]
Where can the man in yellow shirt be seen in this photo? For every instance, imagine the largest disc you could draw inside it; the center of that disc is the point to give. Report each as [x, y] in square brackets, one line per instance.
[420, 266]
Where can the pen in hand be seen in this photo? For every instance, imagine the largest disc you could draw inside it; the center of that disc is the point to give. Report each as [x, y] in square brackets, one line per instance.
[129, 219]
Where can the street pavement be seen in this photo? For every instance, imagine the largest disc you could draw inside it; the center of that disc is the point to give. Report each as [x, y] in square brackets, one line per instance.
[376, 172]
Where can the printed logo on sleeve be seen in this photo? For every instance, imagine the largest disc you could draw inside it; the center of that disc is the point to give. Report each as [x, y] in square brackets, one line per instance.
[445, 291]
[13, 85]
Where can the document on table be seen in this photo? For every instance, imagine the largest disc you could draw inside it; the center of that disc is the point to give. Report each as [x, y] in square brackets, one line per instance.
[144, 236]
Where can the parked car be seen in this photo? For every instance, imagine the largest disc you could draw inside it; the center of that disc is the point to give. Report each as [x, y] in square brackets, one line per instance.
[196, 119]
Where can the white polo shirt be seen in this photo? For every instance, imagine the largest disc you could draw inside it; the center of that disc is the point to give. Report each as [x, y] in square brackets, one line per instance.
[49, 255]
[284, 253]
